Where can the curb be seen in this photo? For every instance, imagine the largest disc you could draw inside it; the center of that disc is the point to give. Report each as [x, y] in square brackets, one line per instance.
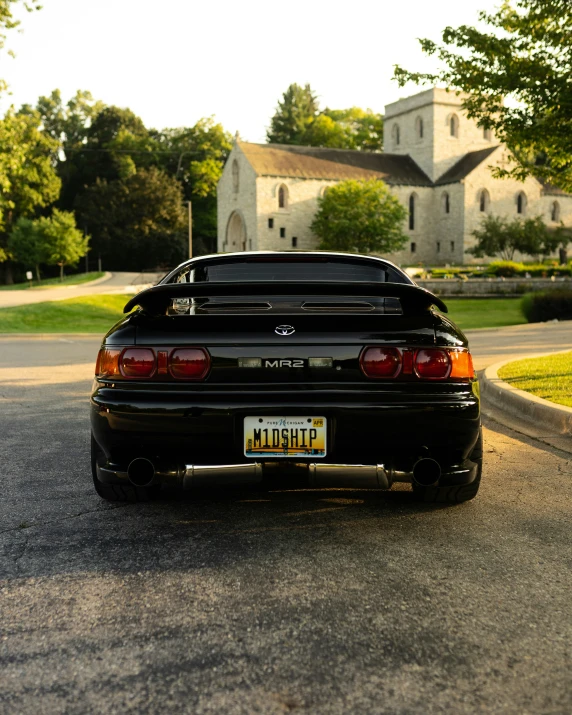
[105, 277]
[526, 413]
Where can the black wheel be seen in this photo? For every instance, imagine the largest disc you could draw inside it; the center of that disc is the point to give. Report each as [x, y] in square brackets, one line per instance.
[456, 494]
[117, 492]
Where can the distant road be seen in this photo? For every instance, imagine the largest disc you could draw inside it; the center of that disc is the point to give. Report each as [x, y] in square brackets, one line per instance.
[117, 283]
[490, 346]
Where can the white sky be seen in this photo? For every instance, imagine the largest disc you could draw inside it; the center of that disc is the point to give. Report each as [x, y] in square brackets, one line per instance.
[175, 61]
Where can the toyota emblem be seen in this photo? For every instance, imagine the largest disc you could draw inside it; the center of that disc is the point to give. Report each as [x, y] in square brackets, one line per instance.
[284, 330]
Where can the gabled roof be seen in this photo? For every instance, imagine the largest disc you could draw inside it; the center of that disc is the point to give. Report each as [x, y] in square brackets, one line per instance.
[464, 166]
[335, 164]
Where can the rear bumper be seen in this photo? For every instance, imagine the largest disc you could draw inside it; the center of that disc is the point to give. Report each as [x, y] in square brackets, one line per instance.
[364, 427]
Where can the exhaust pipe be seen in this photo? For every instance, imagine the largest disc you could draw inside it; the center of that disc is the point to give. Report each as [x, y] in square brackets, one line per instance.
[426, 472]
[141, 472]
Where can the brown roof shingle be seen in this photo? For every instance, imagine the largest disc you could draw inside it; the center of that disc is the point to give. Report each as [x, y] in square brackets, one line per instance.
[336, 164]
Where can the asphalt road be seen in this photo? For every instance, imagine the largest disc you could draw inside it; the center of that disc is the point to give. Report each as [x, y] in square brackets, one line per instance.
[271, 602]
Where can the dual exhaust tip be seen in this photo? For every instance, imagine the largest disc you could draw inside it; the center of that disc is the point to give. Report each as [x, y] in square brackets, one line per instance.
[426, 472]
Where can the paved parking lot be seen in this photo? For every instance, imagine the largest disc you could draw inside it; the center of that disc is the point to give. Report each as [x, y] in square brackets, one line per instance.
[269, 602]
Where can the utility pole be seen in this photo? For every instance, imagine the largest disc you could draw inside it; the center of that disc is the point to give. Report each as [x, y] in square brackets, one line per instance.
[190, 229]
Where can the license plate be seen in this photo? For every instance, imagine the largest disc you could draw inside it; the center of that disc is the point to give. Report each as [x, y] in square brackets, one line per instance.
[285, 437]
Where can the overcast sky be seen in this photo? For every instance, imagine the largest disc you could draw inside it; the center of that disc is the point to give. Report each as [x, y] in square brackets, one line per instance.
[175, 61]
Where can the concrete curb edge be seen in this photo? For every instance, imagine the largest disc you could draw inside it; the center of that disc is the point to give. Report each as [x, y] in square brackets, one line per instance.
[534, 411]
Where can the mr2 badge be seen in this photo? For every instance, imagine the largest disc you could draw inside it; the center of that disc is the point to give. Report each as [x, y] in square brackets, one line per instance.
[283, 363]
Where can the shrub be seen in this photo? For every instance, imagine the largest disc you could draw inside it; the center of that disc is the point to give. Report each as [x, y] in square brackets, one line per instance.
[506, 269]
[548, 305]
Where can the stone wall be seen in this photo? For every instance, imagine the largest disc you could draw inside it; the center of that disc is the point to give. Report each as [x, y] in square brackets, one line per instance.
[243, 201]
[295, 219]
[492, 286]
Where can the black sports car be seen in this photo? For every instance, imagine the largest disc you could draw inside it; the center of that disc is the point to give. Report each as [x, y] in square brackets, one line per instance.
[324, 369]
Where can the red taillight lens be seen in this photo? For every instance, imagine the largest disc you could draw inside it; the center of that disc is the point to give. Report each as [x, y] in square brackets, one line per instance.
[138, 362]
[380, 362]
[432, 364]
[107, 364]
[189, 363]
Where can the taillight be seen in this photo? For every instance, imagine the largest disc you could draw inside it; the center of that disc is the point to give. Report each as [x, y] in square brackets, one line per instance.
[380, 362]
[420, 363]
[107, 364]
[432, 363]
[188, 363]
[144, 363]
[138, 362]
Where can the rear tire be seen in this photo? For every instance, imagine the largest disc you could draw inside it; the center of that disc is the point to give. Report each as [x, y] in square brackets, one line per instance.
[459, 493]
[117, 492]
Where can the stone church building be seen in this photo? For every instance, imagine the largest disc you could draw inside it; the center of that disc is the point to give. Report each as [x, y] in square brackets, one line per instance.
[437, 162]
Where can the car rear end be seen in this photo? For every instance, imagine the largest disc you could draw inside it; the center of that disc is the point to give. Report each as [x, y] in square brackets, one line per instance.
[347, 390]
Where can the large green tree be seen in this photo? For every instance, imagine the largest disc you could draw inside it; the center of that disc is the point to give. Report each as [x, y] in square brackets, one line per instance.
[299, 121]
[517, 76]
[136, 223]
[296, 110]
[195, 156]
[28, 177]
[360, 216]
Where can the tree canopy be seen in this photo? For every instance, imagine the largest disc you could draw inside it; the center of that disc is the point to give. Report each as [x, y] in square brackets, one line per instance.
[64, 244]
[517, 78]
[138, 222]
[360, 216]
[497, 236]
[298, 120]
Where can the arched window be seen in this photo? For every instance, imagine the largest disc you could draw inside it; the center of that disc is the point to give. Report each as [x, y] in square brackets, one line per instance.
[446, 203]
[555, 212]
[488, 135]
[521, 203]
[396, 135]
[235, 177]
[419, 128]
[282, 197]
[454, 125]
[412, 202]
[484, 200]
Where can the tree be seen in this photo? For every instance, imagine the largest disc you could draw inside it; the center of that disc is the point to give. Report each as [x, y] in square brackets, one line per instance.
[299, 121]
[196, 156]
[28, 178]
[363, 129]
[136, 223]
[517, 76]
[294, 113]
[63, 242]
[360, 216]
[26, 244]
[498, 236]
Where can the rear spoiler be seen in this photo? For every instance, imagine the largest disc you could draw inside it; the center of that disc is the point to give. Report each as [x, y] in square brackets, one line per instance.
[413, 298]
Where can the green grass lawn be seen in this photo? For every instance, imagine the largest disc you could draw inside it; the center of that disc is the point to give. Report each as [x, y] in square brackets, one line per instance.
[89, 314]
[470, 313]
[548, 377]
[55, 282]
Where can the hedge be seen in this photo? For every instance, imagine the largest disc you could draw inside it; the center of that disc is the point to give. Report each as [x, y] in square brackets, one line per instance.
[549, 305]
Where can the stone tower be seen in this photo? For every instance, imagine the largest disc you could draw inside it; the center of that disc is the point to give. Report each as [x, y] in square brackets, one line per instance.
[432, 128]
